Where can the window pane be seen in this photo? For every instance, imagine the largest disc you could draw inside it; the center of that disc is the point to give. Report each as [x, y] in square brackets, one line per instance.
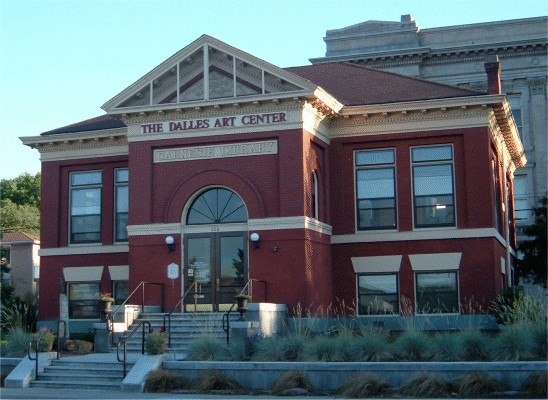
[122, 175]
[434, 153]
[375, 157]
[86, 201]
[83, 300]
[378, 294]
[376, 199]
[86, 178]
[433, 179]
[121, 291]
[437, 292]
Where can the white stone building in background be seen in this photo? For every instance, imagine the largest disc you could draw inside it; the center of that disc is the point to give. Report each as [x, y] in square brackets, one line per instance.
[456, 55]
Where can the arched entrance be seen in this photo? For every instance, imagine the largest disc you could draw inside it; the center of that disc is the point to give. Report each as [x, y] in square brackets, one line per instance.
[215, 249]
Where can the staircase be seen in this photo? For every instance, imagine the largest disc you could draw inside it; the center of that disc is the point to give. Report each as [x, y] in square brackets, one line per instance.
[100, 372]
[185, 327]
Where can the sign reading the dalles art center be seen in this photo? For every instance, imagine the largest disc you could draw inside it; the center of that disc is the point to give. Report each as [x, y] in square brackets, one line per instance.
[214, 122]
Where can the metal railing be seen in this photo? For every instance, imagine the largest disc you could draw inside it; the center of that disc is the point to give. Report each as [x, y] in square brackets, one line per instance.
[36, 341]
[249, 287]
[123, 340]
[142, 285]
[168, 315]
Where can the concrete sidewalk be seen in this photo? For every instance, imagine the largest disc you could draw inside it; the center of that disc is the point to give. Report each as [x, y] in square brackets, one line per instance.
[39, 393]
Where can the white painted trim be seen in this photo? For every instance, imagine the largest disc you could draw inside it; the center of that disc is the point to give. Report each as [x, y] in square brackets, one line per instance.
[282, 223]
[154, 229]
[119, 272]
[82, 274]
[75, 250]
[378, 264]
[263, 224]
[435, 262]
[376, 237]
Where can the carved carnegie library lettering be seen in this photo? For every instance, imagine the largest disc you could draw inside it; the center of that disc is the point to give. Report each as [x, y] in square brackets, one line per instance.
[216, 151]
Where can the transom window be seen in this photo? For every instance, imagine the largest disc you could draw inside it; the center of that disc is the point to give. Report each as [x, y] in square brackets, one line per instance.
[437, 292]
[121, 180]
[85, 207]
[375, 189]
[217, 206]
[433, 189]
[378, 294]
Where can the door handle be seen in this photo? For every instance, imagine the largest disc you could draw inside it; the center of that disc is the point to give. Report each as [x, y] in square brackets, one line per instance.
[217, 285]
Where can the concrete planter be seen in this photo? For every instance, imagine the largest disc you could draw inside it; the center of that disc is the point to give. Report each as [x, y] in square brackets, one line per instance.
[330, 376]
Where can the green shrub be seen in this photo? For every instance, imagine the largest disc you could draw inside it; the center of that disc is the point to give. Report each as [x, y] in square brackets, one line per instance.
[474, 346]
[207, 348]
[156, 342]
[323, 348]
[413, 346]
[164, 381]
[291, 380]
[512, 306]
[369, 347]
[21, 313]
[536, 385]
[477, 384]
[514, 343]
[280, 348]
[17, 343]
[211, 380]
[363, 385]
[426, 385]
[540, 341]
[446, 347]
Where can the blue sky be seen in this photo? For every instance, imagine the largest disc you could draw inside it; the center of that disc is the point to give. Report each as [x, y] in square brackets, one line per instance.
[61, 60]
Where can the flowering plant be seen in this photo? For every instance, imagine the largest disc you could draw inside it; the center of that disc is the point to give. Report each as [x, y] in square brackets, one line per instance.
[156, 342]
[106, 297]
[44, 339]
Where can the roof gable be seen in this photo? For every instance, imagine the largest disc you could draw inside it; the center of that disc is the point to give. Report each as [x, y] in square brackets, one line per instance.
[206, 71]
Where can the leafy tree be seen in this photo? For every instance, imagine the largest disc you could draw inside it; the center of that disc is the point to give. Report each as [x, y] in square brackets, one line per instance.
[534, 260]
[20, 204]
[23, 190]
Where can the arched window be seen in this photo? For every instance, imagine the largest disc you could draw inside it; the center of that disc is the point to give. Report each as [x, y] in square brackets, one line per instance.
[217, 206]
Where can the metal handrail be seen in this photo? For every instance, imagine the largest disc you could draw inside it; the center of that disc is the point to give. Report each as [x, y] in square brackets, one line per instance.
[110, 318]
[124, 339]
[38, 339]
[168, 315]
[226, 315]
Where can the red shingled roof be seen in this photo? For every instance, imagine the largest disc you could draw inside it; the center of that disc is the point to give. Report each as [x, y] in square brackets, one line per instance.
[11, 237]
[354, 84]
[351, 84]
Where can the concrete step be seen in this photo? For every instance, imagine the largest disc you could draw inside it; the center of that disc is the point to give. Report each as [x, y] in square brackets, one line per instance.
[77, 384]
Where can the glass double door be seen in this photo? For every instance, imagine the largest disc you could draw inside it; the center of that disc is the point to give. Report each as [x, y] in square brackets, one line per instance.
[217, 262]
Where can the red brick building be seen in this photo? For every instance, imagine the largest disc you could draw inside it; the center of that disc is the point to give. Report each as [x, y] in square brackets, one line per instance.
[322, 184]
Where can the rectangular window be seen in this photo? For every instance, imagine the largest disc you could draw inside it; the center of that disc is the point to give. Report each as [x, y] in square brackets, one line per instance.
[437, 292]
[515, 105]
[521, 206]
[120, 290]
[375, 189]
[378, 294]
[85, 207]
[433, 189]
[121, 204]
[83, 300]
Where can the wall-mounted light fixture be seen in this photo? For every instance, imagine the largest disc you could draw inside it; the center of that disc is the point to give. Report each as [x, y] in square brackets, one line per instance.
[170, 241]
[256, 240]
